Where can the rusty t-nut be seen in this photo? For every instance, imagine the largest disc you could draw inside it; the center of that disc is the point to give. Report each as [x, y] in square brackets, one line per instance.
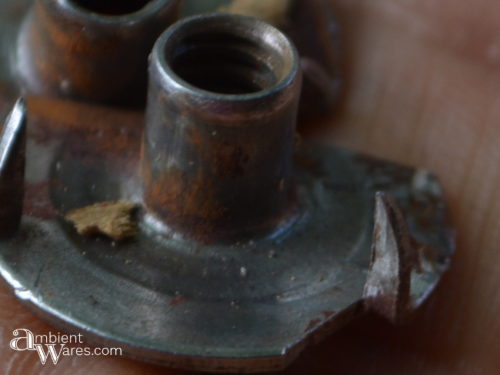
[220, 127]
[93, 51]
[257, 249]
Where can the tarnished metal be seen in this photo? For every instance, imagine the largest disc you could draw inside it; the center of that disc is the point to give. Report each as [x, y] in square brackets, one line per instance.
[94, 51]
[394, 257]
[249, 306]
[363, 234]
[312, 27]
[220, 128]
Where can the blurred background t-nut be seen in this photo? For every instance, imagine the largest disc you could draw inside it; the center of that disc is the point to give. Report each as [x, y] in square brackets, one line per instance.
[89, 50]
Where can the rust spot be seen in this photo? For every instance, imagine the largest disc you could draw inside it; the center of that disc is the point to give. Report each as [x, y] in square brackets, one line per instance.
[86, 130]
[183, 202]
[37, 201]
[62, 61]
[230, 160]
[177, 301]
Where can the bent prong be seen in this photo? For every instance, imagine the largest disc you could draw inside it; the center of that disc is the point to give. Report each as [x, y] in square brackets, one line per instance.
[387, 288]
[12, 165]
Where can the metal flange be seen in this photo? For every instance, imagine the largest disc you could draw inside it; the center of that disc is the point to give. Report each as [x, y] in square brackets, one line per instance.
[243, 307]
[365, 235]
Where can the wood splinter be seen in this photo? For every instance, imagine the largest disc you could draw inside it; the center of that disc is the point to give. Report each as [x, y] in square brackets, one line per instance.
[113, 219]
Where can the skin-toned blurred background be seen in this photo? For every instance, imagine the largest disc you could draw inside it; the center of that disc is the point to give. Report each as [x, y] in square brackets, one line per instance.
[422, 88]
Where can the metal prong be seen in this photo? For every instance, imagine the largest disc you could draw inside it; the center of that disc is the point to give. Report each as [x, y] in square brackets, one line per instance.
[387, 289]
[12, 164]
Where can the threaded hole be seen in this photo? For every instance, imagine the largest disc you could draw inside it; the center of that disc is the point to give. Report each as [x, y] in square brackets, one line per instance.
[112, 7]
[224, 63]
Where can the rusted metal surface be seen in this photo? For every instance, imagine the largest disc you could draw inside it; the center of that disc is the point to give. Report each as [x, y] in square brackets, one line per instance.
[246, 307]
[206, 294]
[91, 51]
[313, 28]
[217, 162]
[207, 307]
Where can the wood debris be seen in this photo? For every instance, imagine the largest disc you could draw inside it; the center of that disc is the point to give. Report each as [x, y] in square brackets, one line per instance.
[274, 12]
[113, 219]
